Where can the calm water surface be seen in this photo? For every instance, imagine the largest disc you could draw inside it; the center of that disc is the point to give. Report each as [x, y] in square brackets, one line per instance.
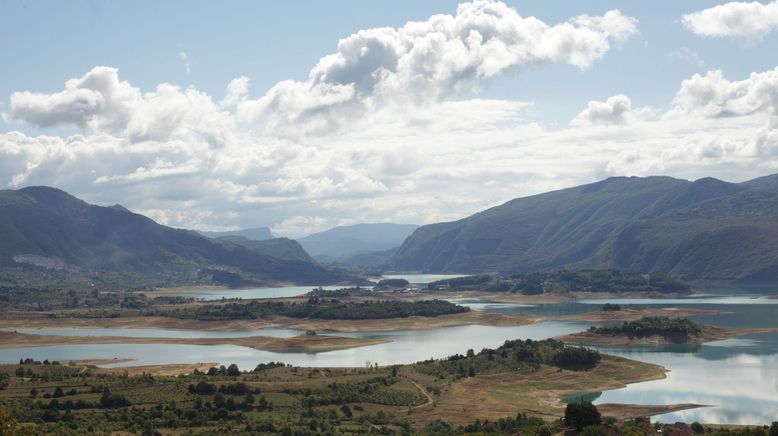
[406, 347]
[218, 294]
[738, 377]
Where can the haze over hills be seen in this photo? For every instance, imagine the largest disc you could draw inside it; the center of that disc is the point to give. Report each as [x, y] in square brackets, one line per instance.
[253, 234]
[281, 248]
[344, 242]
[706, 229]
[43, 224]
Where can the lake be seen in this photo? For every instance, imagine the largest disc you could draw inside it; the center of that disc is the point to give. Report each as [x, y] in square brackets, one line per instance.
[739, 377]
[292, 291]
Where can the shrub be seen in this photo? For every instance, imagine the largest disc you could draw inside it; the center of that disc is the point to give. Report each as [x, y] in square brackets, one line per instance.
[582, 414]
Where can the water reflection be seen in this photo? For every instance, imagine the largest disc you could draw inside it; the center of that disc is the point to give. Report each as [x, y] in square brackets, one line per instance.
[406, 347]
[738, 377]
[218, 294]
[742, 382]
[165, 333]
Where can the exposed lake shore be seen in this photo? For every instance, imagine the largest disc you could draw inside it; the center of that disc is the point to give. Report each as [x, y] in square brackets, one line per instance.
[707, 334]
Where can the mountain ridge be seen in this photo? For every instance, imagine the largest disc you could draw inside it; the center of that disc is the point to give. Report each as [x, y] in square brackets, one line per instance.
[618, 222]
[48, 222]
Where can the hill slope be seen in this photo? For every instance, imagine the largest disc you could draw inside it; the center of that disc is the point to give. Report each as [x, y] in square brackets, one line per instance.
[281, 248]
[341, 243]
[47, 222]
[255, 234]
[702, 229]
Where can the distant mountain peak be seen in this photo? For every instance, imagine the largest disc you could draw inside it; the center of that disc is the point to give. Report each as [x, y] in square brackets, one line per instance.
[253, 234]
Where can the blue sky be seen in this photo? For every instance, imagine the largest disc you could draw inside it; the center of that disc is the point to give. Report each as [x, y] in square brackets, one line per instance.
[52, 41]
[46, 43]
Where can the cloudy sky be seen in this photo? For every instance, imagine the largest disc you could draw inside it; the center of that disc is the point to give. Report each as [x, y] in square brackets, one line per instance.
[303, 115]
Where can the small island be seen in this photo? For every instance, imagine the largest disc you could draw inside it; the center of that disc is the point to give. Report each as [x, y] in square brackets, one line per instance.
[656, 330]
[316, 308]
[564, 282]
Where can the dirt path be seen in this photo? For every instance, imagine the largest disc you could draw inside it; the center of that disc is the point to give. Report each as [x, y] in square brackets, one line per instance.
[430, 400]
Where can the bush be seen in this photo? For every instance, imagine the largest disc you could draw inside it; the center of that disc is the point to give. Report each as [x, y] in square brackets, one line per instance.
[582, 414]
[233, 370]
[577, 358]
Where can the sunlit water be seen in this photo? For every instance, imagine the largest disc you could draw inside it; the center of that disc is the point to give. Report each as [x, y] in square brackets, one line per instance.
[218, 294]
[739, 376]
[292, 291]
[405, 347]
[423, 279]
[165, 333]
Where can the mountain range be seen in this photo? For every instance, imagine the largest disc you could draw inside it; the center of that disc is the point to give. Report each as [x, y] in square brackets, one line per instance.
[47, 227]
[706, 229]
[356, 243]
[253, 234]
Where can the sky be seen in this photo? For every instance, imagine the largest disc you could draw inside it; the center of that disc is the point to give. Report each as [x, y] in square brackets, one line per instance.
[304, 115]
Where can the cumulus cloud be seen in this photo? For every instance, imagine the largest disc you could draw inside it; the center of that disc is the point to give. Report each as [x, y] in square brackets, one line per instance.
[99, 102]
[419, 148]
[433, 60]
[94, 101]
[615, 110]
[734, 19]
[712, 95]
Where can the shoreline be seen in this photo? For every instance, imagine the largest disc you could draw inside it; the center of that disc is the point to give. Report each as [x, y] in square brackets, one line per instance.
[540, 392]
[473, 317]
[307, 344]
[708, 334]
[635, 313]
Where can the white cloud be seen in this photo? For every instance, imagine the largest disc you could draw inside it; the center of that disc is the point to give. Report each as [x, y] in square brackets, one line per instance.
[735, 19]
[184, 57]
[615, 110]
[410, 153]
[100, 102]
[429, 61]
[712, 95]
[236, 91]
[96, 101]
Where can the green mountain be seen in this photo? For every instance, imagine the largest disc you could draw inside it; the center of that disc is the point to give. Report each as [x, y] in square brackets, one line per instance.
[341, 243]
[768, 183]
[46, 226]
[706, 229]
[281, 248]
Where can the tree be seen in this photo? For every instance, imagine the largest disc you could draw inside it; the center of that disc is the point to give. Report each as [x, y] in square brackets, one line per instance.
[233, 370]
[582, 414]
[249, 399]
[5, 380]
[218, 400]
[774, 429]
[19, 372]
